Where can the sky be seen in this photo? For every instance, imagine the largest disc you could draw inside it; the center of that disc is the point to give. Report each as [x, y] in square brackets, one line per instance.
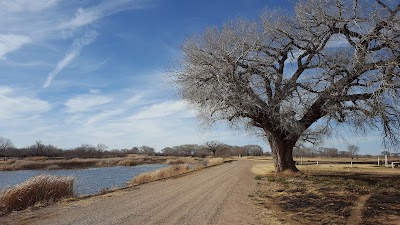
[86, 72]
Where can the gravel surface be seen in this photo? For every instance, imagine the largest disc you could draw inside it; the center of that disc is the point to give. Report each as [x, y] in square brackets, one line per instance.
[216, 195]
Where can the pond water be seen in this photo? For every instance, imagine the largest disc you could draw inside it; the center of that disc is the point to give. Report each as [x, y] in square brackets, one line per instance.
[87, 181]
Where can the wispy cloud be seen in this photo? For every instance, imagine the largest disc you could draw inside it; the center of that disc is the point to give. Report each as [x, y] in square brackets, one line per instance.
[104, 115]
[13, 105]
[76, 48]
[94, 67]
[94, 91]
[12, 42]
[85, 103]
[26, 5]
[89, 15]
[164, 109]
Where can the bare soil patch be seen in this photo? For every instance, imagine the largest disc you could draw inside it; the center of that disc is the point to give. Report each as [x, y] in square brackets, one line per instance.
[333, 196]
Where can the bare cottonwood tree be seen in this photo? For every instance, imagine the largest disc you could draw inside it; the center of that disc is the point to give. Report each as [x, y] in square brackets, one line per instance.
[213, 146]
[294, 76]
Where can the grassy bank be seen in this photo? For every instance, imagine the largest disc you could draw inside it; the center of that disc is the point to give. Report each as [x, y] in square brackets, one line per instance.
[42, 189]
[43, 163]
[329, 194]
[174, 170]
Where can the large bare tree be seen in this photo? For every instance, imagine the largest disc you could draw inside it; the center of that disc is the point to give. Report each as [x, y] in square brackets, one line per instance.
[295, 76]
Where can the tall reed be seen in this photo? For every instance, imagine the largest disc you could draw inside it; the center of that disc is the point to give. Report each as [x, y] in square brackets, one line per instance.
[43, 189]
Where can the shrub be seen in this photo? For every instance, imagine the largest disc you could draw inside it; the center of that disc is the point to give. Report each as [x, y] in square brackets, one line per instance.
[43, 189]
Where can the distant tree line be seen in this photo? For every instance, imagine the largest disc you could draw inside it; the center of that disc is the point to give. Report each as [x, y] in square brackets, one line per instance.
[213, 148]
[352, 151]
[210, 148]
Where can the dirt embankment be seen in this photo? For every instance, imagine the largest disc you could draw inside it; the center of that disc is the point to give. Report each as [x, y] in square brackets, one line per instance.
[218, 195]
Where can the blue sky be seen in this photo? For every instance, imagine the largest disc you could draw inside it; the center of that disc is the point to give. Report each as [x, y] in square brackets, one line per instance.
[87, 72]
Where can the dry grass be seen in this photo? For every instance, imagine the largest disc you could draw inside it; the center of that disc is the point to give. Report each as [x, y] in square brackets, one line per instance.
[347, 168]
[174, 170]
[160, 174]
[263, 169]
[328, 193]
[215, 161]
[182, 160]
[43, 163]
[129, 162]
[42, 189]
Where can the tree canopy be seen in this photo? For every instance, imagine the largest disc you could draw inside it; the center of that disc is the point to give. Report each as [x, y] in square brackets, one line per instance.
[294, 76]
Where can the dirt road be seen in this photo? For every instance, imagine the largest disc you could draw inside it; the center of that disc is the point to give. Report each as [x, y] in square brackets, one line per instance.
[217, 195]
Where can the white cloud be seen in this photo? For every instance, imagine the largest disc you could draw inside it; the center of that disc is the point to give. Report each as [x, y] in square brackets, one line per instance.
[335, 41]
[92, 14]
[13, 105]
[104, 115]
[338, 40]
[85, 103]
[133, 100]
[82, 17]
[12, 42]
[164, 109]
[94, 91]
[76, 48]
[26, 5]
[293, 56]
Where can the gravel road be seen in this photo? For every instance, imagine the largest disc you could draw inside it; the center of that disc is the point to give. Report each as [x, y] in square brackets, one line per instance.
[216, 195]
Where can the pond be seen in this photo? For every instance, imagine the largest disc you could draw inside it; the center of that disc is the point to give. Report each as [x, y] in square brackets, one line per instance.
[87, 181]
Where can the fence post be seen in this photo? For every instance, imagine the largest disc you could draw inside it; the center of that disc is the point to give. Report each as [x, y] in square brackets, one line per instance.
[386, 161]
[378, 161]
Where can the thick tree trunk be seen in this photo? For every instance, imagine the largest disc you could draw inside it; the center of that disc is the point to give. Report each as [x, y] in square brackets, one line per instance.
[282, 149]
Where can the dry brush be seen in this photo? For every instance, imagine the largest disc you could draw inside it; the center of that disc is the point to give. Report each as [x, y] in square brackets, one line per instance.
[42, 189]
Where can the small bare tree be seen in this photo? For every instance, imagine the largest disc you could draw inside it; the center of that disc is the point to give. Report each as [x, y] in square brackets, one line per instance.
[353, 150]
[101, 147]
[5, 144]
[293, 77]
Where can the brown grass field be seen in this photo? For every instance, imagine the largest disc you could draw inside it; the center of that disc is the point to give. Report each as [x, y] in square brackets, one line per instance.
[331, 193]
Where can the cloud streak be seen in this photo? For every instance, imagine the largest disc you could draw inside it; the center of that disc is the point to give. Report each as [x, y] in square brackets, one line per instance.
[12, 42]
[76, 48]
[26, 5]
[92, 14]
[164, 109]
[85, 103]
